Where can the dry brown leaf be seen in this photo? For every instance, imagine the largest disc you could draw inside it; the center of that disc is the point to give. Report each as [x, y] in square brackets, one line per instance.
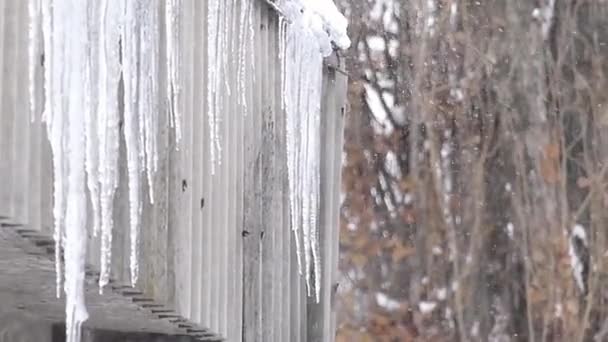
[360, 260]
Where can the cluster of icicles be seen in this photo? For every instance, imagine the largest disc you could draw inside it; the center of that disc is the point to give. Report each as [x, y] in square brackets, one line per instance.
[101, 60]
[307, 33]
[89, 48]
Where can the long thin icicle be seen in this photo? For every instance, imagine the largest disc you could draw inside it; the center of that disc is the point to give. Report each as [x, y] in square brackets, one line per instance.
[130, 41]
[108, 125]
[55, 134]
[172, 11]
[34, 11]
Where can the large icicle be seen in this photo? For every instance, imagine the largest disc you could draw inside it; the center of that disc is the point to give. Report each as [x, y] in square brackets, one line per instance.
[312, 27]
[108, 125]
[148, 86]
[217, 60]
[55, 134]
[172, 10]
[65, 40]
[130, 41]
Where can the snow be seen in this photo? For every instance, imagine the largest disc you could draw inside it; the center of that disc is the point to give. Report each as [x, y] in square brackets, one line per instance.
[427, 306]
[320, 18]
[387, 302]
[510, 229]
[442, 293]
[578, 267]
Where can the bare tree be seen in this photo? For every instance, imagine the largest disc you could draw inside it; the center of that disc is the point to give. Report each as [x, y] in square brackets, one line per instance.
[475, 171]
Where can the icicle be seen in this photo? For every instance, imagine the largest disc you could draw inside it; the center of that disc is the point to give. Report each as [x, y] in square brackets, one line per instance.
[130, 41]
[246, 11]
[55, 134]
[213, 45]
[75, 222]
[66, 130]
[34, 8]
[108, 121]
[92, 155]
[148, 87]
[303, 71]
[172, 28]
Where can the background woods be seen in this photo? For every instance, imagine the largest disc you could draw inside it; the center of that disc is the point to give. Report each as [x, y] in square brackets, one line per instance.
[474, 181]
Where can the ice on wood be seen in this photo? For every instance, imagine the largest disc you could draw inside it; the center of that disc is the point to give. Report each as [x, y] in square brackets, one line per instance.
[92, 49]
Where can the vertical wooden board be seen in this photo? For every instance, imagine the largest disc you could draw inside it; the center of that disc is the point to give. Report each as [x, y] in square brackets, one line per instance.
[340, 87]
[267, 198]
[3, 113]
[252, 206]
[239, 172]
[206, 242]
[298, 297]
[214, 270]
[121, 225]
[166, 145]
[275, 219]
[34, 174]
[161, 179]
[231, 140]
[207, 266]
[320, 311]
[186, 161]
[177, 230]
[279, 170]
[287, 269]
[202, 266]
[46, 183]
[197, 159]
[21, 148]
[226, 119]
[330, 114]
[36, 140]
[286, 253]
[7, 100]
[3, 51]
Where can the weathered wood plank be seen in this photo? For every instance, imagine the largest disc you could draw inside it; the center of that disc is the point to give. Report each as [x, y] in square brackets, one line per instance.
[7, 100]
